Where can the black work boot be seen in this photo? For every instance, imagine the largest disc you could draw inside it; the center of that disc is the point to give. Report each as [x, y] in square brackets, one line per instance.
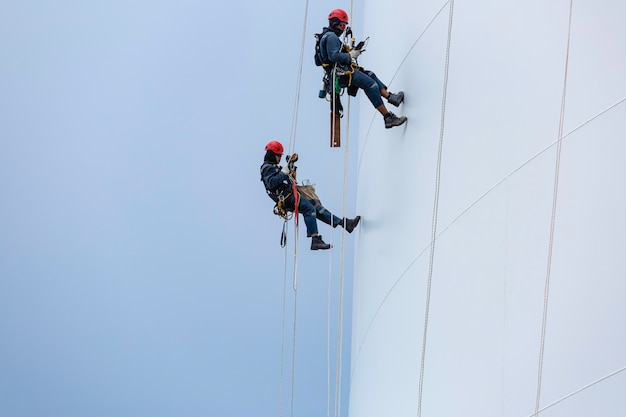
[350, 224]
[318, 243]
[392, 120]
[396, 98]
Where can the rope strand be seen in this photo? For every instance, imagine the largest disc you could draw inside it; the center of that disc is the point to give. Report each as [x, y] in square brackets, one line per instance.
[339, 354]
[579, 390]
[435, 212]
[294, 120]
[282, 335]
[553, 218]
[292, 140]
[293, 351]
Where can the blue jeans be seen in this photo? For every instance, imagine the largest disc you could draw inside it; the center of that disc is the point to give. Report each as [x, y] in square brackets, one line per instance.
[368, 82]
[311, 211]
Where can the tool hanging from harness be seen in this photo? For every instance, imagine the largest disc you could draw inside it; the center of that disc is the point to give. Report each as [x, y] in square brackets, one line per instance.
[331, 88]
[333, 71]
[330, 82]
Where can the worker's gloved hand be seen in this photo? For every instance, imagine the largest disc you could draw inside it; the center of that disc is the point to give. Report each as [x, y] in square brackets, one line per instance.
[354, 53]
[285, 169]
[293, 158]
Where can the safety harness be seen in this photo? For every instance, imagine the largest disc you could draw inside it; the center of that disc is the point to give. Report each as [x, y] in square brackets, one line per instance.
[333, 68]
[279, 207]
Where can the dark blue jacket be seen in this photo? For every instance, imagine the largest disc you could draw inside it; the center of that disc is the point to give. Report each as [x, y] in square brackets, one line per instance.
[330, 49]
[276, 182]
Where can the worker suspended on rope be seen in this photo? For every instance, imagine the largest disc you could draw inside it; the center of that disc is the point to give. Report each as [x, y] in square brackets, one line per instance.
[340, 57]
[281, 186]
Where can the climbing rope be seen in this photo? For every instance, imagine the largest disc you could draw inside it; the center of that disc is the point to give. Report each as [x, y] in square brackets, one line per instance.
[462, 214]
[339, 349]
[291, 148]
[359, 165]
[597, 381]
[339, 360]
[375, 115]
[435, 212]
[296, 105]
[330, 275]
[293, 350]
[553, 217]
[346, 146]
[282, 334]
[292, 141]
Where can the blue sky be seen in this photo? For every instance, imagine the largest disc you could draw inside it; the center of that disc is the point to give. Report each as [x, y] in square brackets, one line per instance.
[140, 270]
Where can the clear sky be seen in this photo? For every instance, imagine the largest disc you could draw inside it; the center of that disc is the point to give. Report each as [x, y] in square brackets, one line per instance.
[140, 266]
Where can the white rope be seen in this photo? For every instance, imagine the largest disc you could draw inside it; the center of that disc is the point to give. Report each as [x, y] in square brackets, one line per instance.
[330, 281]
[364, 146]
[294, 120]
[282, 334]
[292, 140]
[375, 113]
[293, 351]
[339, 366]
[328, 323]
[295, 252]
[579, 390]
[474, 203]
[553, 218]
[346, 146]
[293, 342]
[478, 200]
[339, 352]
[435, 212]
[329, 398]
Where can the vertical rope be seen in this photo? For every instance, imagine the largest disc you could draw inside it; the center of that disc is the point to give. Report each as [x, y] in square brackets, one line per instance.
[339, 379]
[435, 213]
[505, 273]
[553, 218]
[292, 140]
[294, 120]
[339, 369]
[328, 358]
[282, 335]
[293, 351]
[295, 256]
[330, 280]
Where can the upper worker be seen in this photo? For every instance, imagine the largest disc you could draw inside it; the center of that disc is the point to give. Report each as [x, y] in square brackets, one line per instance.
[333, 51]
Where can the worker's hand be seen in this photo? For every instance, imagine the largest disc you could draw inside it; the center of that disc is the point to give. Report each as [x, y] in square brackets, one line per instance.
[285, 169]
[354, 53]
[293, 158]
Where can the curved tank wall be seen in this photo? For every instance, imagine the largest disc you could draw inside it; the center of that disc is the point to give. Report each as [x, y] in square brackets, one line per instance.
[515, 212]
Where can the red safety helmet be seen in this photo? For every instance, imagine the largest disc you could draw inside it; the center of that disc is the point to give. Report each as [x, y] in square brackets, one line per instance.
[274, 146]
[339, 14]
